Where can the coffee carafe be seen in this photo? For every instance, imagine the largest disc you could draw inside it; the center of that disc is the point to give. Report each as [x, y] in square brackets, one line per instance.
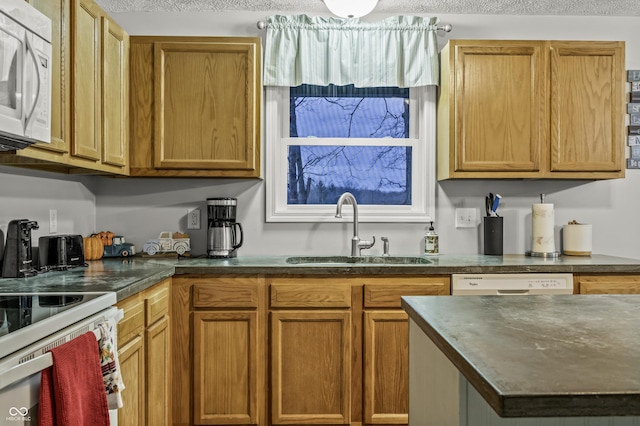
[18, 258]
[224, 233]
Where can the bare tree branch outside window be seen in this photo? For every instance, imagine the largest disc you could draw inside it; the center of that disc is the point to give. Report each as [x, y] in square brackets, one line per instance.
[375, 174]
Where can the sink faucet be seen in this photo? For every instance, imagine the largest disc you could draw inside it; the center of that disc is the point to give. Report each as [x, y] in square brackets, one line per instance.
[356, 244]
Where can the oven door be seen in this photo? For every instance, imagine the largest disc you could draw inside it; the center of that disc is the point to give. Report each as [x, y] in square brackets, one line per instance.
[19, 401]
[21, 371]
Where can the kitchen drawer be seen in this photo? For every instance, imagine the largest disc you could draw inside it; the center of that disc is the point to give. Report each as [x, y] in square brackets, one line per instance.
[386, 292]
[225, 295]
[385, 296]
[132, 324]
[311, 294]
[157, 304]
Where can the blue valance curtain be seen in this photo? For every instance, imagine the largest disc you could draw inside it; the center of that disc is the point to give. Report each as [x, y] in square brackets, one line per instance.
[400, 51]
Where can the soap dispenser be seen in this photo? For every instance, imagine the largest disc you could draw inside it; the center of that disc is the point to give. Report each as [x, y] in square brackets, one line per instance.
[431, 246]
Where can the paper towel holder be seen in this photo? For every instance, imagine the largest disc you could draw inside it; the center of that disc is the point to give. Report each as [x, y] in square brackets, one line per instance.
[546, 255]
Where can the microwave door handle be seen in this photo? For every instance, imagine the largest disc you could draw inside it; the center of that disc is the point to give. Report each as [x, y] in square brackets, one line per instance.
[32, 54]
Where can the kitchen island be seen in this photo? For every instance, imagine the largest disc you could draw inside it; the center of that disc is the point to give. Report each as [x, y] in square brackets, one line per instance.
[543, 360]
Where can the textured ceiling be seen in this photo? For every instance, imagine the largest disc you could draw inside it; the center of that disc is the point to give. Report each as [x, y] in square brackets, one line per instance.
[489, 7]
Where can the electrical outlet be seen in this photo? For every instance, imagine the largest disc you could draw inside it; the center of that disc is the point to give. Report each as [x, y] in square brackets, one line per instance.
[466, 218]
[193, 219]
[53, 221]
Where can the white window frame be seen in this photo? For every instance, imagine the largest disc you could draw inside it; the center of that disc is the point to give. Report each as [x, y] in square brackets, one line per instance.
[422, 127]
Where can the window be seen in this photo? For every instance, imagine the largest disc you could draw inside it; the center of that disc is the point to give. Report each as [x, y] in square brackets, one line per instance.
[377, 143]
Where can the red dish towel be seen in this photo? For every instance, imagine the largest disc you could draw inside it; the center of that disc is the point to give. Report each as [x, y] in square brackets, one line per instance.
[72, 391]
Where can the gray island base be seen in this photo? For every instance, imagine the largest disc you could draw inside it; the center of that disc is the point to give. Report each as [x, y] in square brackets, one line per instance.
[547, 360]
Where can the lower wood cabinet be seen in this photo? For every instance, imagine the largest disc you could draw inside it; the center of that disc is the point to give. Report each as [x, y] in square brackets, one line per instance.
[219, 358]
[292, 350]
[606, 284]
[386, 367]
[310, 347]
[144, 355]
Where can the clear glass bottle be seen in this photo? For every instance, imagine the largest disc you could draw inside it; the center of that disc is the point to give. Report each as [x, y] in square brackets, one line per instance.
[431, 243]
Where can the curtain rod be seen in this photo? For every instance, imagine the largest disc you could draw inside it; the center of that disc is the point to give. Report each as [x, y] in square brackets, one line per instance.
[444, 27]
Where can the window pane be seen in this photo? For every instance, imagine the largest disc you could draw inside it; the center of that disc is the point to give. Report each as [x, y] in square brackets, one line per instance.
[379, 175]
[349, 112]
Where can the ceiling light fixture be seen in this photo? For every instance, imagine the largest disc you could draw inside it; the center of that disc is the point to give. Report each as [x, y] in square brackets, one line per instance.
[350, 8]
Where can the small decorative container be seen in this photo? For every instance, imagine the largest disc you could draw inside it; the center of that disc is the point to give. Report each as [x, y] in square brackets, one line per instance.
[576, 239]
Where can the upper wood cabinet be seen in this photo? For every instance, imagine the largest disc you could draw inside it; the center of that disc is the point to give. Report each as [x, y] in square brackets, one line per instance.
[531, 109]
[100, 97]
[89, 93]
[195, 106]
[115, 94]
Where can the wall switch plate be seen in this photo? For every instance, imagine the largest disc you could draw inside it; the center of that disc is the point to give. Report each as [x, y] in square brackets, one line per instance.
[193, 219]
[466, 218]
[53, 221]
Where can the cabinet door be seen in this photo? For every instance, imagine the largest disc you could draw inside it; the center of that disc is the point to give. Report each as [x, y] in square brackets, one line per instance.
[587, 106]
[132, 368]
[310, 367]
[206, 106]
[115, 93]
[226, 368]
[158, 398]
[86, 80]
[386, 367]
[499, 105]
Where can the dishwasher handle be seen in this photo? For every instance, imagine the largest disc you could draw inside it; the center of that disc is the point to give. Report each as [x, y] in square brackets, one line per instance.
[512, 292]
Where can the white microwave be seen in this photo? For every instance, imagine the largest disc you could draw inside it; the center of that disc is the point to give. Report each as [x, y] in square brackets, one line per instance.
[25, 75]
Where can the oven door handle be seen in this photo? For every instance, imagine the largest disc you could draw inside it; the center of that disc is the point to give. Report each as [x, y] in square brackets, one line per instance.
[28, 368]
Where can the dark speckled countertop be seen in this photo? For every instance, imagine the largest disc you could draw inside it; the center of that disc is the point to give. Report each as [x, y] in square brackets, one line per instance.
[539, 356]
[129, 276]
[443, 264]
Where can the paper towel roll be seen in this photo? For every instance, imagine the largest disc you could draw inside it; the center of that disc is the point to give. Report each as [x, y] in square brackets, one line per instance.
[542, 228]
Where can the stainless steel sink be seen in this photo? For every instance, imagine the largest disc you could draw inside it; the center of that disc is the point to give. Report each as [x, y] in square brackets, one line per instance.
[382, 260]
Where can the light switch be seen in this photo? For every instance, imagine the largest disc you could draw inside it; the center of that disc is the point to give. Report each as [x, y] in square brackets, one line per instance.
[466, 218]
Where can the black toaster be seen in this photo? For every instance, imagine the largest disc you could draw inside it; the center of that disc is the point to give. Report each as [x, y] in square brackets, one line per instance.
[61, 252]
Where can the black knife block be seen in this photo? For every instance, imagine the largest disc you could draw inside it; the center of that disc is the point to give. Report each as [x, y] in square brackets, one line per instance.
[492, 227]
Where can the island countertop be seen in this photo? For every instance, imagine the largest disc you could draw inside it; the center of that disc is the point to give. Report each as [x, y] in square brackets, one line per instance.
[540, 356]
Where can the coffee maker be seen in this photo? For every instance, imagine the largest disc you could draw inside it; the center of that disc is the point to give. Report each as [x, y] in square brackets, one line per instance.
[18, 258]
[224, 233]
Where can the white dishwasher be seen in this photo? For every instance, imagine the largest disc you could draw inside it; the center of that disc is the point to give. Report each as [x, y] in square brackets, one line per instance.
[511, 284]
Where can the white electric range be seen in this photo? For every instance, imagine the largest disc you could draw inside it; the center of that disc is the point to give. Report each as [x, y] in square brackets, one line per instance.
[30, 326]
